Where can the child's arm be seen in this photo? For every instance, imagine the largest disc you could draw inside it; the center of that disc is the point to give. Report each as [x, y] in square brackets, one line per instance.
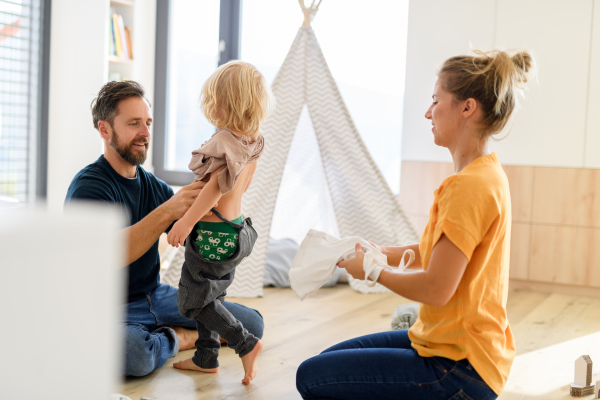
[210, 195]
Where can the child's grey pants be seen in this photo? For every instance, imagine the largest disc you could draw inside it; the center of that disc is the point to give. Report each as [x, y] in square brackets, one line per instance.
[202, 289]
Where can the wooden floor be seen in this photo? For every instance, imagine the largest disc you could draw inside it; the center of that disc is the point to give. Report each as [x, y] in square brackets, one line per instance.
[551, 331]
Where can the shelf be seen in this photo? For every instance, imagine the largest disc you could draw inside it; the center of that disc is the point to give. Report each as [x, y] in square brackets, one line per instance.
[129, 3]
[119, 60]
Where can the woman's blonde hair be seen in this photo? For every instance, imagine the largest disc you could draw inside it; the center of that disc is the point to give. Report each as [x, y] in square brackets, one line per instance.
[492, 78]
[237, 97]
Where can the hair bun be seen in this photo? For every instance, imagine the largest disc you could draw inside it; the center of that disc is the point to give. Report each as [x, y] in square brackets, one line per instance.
[524, 63]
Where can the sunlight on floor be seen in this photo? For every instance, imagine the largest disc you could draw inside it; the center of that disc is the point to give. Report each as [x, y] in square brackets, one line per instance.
[547, 373]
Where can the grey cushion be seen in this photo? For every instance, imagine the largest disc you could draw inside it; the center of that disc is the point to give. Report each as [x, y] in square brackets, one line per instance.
[280, 255]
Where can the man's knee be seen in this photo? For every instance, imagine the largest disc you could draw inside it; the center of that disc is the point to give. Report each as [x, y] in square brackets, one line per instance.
[250, 318]
[255, 324]
[139, 356]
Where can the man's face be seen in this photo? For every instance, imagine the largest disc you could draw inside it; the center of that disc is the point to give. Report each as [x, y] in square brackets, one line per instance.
[131, 130]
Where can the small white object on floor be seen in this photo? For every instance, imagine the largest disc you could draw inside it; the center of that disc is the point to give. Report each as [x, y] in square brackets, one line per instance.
[117, 396]
[582, 386]
[319, 253]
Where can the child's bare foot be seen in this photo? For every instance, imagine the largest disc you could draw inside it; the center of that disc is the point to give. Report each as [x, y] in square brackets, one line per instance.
[189, 364]
[187, 337]
[249, 362]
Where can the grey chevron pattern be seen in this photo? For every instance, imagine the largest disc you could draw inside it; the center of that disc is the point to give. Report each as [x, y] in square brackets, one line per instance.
[363, 202]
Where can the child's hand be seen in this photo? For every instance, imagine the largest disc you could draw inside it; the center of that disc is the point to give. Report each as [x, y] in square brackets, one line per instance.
[179, 232]
[354, 266]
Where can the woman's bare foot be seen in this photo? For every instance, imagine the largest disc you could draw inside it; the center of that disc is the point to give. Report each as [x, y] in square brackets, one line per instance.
[189, 364]
[249, 362]
[187, 337]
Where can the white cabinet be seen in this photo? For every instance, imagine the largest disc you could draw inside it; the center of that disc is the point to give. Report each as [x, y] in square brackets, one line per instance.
[549, 130]
[592, 142]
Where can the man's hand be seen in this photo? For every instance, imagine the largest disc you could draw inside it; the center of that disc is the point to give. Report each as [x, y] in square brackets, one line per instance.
[354, 265]
[181, 201]
[179, 232]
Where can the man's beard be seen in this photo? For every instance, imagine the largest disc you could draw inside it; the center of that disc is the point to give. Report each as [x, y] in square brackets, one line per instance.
[125, 150]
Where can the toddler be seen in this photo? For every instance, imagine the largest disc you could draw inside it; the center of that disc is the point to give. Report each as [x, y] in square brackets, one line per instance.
[236, 99]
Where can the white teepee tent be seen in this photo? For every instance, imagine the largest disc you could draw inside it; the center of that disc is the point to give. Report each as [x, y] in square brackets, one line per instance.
[362, 201]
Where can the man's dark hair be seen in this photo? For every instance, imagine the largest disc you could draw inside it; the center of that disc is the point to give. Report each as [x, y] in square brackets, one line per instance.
[105, 107]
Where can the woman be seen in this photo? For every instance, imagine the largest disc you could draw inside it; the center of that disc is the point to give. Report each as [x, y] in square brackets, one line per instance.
[461, 346]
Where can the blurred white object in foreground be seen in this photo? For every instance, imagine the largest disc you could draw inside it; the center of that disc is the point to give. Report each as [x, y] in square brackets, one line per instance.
[62, 287]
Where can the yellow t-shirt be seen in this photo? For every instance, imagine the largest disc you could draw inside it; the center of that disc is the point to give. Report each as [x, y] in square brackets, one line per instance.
[472, 208]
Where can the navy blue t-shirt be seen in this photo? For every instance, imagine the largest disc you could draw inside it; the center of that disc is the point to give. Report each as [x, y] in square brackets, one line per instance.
[138, 197]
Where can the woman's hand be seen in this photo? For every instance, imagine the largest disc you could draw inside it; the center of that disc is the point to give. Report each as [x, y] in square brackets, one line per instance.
[378, 247]
[354, 265]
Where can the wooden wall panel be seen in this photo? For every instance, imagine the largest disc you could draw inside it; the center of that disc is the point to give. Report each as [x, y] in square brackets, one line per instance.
[567, 255]
[567, 196]
[418, 181]
[520, 181]
[556, 219]
[520, 244]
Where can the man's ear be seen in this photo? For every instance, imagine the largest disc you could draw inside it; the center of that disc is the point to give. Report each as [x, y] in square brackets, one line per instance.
[104, 129]
[469, 108]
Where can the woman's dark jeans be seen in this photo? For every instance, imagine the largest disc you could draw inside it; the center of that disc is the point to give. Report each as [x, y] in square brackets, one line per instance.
[385, 366]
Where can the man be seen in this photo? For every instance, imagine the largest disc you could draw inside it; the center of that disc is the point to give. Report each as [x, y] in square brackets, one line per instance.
[154, 329]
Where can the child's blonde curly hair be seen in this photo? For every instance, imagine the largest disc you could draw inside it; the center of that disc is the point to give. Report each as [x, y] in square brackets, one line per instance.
[237, 97]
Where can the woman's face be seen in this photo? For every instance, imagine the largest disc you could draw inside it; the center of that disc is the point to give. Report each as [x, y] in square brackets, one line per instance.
[443, 113]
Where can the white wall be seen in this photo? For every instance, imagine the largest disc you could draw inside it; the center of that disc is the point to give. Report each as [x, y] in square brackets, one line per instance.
[556, 125]
[144, 45]
[78, 69]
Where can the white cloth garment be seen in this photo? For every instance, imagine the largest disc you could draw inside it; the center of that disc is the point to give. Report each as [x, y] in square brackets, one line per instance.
[319, 253]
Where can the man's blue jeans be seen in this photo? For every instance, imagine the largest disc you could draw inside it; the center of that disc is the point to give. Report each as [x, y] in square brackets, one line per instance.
[385, 366]
[149, 341]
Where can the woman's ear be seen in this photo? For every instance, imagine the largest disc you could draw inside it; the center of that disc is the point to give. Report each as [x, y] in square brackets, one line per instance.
[469, 108]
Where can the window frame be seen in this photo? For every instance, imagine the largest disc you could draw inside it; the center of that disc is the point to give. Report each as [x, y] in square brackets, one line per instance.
[44, 91]
[230, 19]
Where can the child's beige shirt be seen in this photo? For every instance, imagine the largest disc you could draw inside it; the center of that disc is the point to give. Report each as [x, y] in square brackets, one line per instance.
[227, 149]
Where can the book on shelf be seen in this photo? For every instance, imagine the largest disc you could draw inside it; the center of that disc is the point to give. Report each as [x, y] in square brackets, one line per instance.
[120, 43]
[111, 39]
[129, 41]
[122, 36]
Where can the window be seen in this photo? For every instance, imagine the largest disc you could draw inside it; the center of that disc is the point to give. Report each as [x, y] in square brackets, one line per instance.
[193, 38]
[364, 45]
[23, 99]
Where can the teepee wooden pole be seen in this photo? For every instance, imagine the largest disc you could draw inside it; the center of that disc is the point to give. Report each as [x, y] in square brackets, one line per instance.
[309, 12]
